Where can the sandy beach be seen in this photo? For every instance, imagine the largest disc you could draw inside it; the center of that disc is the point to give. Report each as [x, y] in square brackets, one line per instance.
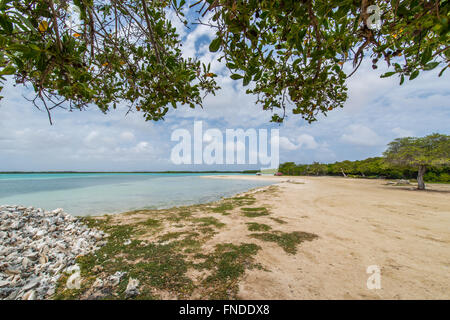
[358, 223]
[300, 238]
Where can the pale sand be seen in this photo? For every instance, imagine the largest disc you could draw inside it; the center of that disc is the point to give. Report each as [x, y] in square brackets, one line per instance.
[359, 223]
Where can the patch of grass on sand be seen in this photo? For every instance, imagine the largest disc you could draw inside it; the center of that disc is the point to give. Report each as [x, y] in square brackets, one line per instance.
[227, 264]
[171, 236]
[226, 205]
[223, 208]
[161, 267]
[184, 214]
[151, 223]
[97, 223]
[189, 239]
[209, 221]
[134, 212]
[271, 190]
[178, 216]
[246, 200]
[156, 266]
[255, 212]
[280, 221]
[147, 246]
[287, 241]
[253, 226]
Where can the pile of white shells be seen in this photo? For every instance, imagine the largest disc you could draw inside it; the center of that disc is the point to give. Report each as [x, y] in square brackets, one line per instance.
[37, 246]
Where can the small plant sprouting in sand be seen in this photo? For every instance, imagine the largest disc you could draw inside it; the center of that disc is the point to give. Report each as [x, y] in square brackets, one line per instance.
[151, 223]
[209, 221]
[171, 236]
[255, 212]
[227, 264]
[287, 241]
[179, 215]
[223, 208]
[253, 226]
[246, 200]
[227, 205]
[278, 220]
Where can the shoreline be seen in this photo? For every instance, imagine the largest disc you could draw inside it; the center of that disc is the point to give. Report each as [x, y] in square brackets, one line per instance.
[299, 238]
[224, 197]
[113, 195]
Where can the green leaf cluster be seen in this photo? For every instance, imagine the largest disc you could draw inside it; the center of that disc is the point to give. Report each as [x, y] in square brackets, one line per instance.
[294, 56]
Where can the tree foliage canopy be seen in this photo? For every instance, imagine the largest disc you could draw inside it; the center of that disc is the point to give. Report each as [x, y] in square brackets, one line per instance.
[432, 150]
[290, 53]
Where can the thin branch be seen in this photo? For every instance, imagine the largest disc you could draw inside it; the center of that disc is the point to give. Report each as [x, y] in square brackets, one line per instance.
[357, 67]
[151, 33]
[440, 51]
[55, 26]
[46, 108]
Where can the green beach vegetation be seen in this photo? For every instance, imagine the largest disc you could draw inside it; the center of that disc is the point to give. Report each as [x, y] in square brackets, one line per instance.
[426, 158]
[287, 241]
[172, 254]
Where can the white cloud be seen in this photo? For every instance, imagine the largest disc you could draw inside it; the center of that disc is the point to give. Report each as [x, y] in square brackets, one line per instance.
[304, 140]
[401, 133]
[361, 135]
[190, 43]
[127, 136]
[142, 146]
[308, 141]
[286, 144]
[91, 137]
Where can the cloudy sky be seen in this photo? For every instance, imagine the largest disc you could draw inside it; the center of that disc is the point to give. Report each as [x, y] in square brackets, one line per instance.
[378, 111]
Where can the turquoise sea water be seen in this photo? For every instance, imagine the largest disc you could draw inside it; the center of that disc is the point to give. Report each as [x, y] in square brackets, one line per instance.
[98, 193]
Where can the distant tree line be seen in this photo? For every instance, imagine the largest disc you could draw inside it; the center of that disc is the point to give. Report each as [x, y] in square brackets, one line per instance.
[376, 167]
[427, 158]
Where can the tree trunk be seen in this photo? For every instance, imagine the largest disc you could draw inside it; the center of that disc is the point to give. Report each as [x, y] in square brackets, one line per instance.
[343, 173]
[420, 182]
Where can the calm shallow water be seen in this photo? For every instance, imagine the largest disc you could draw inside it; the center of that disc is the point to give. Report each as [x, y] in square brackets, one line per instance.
[98, 193]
